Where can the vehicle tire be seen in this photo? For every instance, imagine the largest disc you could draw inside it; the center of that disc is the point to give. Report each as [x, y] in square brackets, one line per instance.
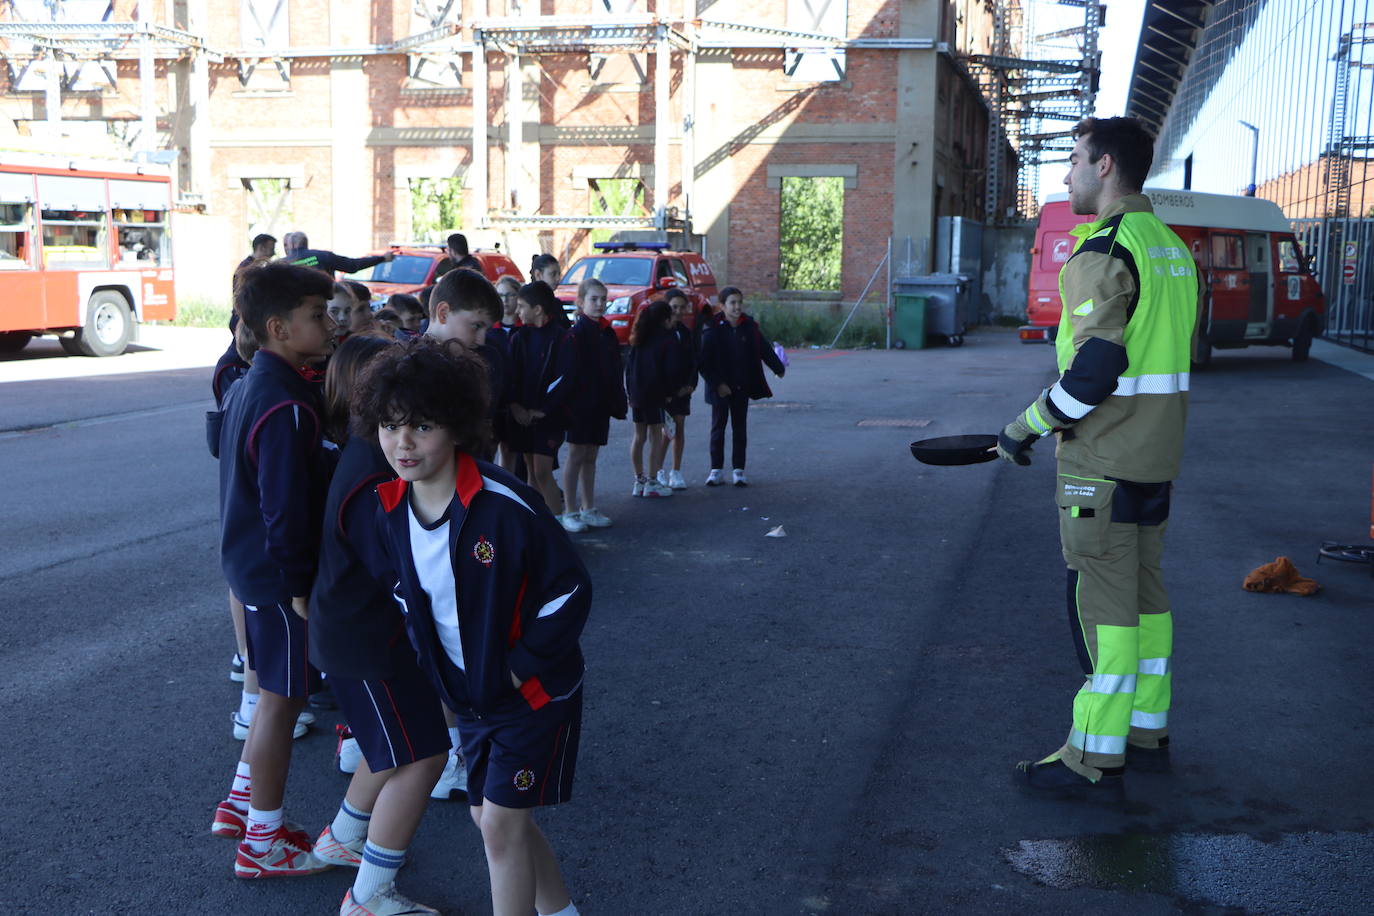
[14, 341]
[898, 343]
[71, 346]
[109, 325]
[1202, 353]
[1302, 341]
[956, 340]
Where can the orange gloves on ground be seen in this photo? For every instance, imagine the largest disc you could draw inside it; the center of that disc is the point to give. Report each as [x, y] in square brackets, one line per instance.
[1280, 576]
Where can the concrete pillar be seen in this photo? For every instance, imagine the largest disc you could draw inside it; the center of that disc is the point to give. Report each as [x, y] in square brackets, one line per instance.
[662, 125]
[913, 172]
[477, 183]
[52, 93]
[515, 139]
[349, 156]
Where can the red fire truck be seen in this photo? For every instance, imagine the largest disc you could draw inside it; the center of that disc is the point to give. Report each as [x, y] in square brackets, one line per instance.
[85, 251]
[1260, 288]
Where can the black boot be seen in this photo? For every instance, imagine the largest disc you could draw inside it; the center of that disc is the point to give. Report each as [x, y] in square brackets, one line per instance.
[1052, 779]
[1149, 759]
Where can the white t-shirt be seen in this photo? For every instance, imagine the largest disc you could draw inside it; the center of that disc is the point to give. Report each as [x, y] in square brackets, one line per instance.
[434, 565]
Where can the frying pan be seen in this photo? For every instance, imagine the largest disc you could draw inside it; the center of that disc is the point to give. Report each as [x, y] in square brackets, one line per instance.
[952, 450]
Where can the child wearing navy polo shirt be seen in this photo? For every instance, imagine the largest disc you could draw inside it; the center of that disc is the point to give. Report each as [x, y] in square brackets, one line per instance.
[495, 599]
[273, 475]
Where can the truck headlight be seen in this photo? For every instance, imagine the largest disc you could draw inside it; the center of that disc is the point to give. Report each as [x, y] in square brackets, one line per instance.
[618, 306]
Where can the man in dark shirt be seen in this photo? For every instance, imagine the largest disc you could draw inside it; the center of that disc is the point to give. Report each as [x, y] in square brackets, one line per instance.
[264, 246]
[298, 251]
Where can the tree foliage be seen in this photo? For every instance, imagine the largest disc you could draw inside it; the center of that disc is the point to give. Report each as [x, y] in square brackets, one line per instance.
[436, 208]
[811, 233]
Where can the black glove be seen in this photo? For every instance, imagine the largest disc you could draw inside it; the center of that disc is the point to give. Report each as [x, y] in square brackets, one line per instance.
[1010, 448]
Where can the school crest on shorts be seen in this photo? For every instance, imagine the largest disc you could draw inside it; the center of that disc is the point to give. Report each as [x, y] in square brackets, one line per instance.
[483, 552]
[524, 780]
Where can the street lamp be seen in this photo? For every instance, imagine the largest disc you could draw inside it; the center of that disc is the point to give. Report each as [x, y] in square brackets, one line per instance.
[1254, 157]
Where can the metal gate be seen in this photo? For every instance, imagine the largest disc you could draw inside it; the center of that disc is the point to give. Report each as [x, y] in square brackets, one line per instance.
[1342, 256]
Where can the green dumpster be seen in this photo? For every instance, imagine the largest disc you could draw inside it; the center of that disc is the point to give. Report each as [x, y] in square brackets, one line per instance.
[909, 322]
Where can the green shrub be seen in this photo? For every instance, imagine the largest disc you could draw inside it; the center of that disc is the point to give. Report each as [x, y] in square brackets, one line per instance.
[802, 325]
[199, 312]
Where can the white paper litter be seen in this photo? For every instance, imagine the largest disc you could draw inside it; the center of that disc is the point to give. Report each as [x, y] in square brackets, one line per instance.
[776, 533]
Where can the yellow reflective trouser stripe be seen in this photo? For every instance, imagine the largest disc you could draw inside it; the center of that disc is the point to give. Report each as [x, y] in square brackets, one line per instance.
[1102, 709]
[1154, 682]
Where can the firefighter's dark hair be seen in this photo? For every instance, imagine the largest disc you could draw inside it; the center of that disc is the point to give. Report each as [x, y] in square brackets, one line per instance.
[1126, 140]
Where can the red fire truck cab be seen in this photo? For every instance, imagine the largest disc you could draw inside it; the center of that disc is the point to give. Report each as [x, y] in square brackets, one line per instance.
[1260, 288]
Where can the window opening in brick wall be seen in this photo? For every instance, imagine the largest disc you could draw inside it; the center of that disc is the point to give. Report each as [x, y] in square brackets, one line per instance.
[436, 208]
[27, 63]
[811, 233]
[269, 205]
[265, 24]
[615, 197]
[819, 17]
[430, 70]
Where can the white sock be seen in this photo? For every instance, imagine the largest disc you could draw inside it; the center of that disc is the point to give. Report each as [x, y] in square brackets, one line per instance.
[248, 702]
[569, 910]
[350, 824]
[262, 827]
[238, 792]
[378, 869]
[454, 741]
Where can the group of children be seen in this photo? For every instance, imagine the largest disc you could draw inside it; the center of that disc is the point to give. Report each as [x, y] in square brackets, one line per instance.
[567, 381]
[444, 601]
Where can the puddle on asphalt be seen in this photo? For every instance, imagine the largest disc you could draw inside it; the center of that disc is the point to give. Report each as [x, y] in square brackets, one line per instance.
[1294, 873]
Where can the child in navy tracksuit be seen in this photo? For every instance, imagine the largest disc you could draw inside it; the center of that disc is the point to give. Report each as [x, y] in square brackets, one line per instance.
[495, 600]
[508, 288]
[598, 396]
[682, 369]
[273, 477]
[649, 384]
[542, 376]
[733, 351]
[463, 308]
[358, 638]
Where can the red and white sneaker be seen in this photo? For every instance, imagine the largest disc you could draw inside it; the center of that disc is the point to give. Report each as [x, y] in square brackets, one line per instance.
[386, 902]
[288, 856]
[328, 849]
[229, 821]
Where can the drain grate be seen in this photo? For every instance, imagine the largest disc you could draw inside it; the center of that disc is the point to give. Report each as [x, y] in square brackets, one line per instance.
[901, 424]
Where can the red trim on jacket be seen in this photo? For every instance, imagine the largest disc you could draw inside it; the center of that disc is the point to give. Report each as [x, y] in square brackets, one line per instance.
[534, 694]
[469, 479]
[391, 493]
[515, 625]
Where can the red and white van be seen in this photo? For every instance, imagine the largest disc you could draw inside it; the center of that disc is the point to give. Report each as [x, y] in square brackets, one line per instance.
[1260, 289]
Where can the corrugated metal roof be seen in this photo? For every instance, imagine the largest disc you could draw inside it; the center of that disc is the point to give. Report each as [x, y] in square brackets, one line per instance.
[1169, 33]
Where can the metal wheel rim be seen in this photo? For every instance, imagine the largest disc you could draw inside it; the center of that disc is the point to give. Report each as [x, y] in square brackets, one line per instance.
[109, 323]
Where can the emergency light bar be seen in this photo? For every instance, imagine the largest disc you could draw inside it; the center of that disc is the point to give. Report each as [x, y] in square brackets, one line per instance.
[630, 246]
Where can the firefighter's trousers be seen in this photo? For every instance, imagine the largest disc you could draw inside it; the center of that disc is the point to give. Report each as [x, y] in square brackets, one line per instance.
[1112, 532]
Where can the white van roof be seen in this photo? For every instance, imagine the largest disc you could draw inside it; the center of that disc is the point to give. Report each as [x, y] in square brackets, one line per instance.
[1219, 211]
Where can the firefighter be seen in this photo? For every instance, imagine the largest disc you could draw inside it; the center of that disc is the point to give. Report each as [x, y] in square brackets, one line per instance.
[1130, 295]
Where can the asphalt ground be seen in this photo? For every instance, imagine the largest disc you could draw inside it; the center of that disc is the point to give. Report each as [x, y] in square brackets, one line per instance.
[820, 723]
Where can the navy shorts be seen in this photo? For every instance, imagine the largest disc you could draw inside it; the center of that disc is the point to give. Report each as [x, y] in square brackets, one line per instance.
[539, 438]
[680, 407]
[594, 430]
[397, 720]
[650, 415]
[277, 649]
[523, 759]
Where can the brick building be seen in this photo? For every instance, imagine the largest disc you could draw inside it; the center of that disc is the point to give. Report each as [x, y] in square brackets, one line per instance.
[539, 126]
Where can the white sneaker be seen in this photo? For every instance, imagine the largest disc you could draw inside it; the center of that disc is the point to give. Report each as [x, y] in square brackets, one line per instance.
[639, 486]
[453, 779]
[739, 479]
[572, 522]
[241, 728]
[662, 477]
[349, 754]
[675, 480]
[328, 849]
[594, 519]
[713, 478]
[654, 488]
[386, 902]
